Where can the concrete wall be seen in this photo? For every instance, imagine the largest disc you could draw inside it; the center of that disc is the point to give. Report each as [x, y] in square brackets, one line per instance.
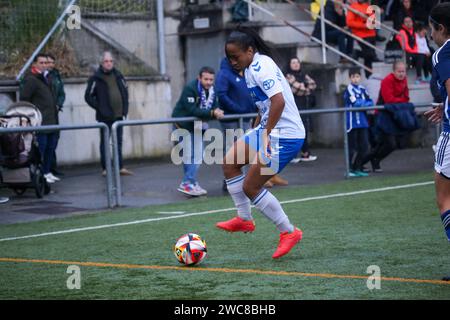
[148, 100]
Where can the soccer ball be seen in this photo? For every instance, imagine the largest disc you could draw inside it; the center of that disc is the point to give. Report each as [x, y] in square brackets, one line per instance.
[190, 249]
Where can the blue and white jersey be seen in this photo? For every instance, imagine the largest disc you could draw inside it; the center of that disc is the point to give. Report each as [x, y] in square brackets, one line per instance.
[264, 80]
[441, 63]
[356, 96]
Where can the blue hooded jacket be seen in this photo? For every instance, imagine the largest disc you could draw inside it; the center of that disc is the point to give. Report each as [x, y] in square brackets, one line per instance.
[231, 88]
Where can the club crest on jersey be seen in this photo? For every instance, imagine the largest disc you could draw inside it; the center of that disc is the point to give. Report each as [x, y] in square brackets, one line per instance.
[268, 84]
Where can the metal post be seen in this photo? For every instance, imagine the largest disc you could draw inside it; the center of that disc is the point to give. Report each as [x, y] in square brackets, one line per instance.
[109, 189]
[322, 26]
[44, 41]
[250, 12]
[117, 182]
[347, 157]
[161, 39]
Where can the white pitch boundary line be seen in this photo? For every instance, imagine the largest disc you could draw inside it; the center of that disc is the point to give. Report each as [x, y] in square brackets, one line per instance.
[120, 224]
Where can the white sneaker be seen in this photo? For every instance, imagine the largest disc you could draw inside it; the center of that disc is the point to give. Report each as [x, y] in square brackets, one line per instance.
[308, 158]
[54, 177]
[4, 199]
[48, 178]
[189, 189]
[295, 160]
[200, 190]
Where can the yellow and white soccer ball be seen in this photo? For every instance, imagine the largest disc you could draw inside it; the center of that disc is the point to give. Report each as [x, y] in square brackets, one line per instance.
[190, 249]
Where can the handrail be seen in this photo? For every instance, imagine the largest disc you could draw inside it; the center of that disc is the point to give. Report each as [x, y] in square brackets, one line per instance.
[310, 36]
[122, 123]
[99, 125]
[359, 39]
[362, 15]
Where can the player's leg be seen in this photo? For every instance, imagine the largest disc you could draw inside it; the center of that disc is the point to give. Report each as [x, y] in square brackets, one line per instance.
[237, 157]
[442, 182]
[266, 202]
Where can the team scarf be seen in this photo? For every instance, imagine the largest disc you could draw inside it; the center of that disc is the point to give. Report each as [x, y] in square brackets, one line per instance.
[205, 102]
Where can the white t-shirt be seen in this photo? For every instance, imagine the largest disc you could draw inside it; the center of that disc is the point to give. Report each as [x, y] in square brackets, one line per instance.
[264, 80]
[422, 45]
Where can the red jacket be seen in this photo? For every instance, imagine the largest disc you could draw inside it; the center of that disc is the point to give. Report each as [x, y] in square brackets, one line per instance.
[403, 38]
[394, 90]
[357, 23]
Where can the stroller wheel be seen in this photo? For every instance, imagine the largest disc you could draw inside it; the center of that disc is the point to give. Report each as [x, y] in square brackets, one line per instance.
[19, 191]
[39, 183]
[47, 188]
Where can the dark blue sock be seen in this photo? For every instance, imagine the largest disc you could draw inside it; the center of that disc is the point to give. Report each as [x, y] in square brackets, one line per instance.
[446, 221]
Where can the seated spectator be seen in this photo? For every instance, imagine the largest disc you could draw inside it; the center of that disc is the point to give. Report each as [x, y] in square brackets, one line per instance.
[359, 27]
[356, 96]
[302, 86]
[408, 42]
[334, 12]
[394, 123]
[405, 10]
[424, 52]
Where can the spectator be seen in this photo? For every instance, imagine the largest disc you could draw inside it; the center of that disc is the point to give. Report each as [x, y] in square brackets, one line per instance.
[58, 90]
[407, 39]
[359, 27]
[198, 99]
[394, 94]
[107, 94]
[334, 12]
[356, 96]
[405, 10]
[302, 86]
[37, 90]
[424, 52]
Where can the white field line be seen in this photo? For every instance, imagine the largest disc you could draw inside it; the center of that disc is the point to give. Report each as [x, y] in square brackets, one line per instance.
[336, 195]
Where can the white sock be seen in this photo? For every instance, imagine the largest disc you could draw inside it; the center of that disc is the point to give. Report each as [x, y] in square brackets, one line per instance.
[271, 208]
[241, 201]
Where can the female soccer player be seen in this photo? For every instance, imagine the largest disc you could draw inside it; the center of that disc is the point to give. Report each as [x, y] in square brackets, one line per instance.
[269, 147]
[440, 31]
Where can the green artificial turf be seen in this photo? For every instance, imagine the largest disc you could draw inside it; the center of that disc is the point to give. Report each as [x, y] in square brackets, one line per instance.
[397, 230]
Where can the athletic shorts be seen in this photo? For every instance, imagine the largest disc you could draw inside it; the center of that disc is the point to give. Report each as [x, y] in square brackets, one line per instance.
[442, 155]
[282, 150]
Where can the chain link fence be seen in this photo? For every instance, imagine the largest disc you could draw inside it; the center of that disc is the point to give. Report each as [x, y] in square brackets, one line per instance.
[127, 28]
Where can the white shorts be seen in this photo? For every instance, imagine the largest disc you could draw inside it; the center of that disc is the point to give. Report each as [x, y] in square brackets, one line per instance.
[442, 155]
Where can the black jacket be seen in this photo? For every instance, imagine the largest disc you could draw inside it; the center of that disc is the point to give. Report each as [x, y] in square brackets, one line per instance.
[38, 91]
[332, 16]
[97, 95]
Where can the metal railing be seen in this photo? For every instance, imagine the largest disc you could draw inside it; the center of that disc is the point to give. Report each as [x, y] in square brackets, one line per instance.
[321, 42]
[123, 123]
[106, 134]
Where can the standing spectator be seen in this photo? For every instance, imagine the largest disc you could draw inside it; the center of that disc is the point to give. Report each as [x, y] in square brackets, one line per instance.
[405, 10]
[107, 94]
[58, 90]
[334, 12]
[234, 98]
[198, 99]
[302, 86]
[355, 97]
[37, 90]
[359, 27]
[394, 90]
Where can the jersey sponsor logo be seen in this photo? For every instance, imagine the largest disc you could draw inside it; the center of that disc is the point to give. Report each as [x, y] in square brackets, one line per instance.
[268, 84]
[191, 99]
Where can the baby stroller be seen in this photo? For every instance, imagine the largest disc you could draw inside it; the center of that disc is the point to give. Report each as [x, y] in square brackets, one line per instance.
[20, 159]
